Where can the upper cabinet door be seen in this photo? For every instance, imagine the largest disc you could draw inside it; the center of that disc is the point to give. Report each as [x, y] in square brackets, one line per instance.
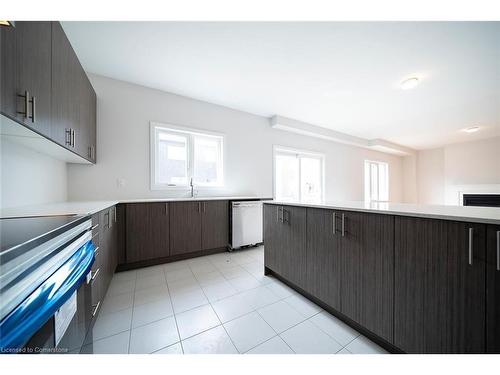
[215, 224]
[26, 53]
[185, 225]
[493, 289]
[66, 91]
[87, 124]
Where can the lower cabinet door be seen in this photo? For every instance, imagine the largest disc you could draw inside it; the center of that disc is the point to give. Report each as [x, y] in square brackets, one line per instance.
[323, 256]
[439, 286]
[466, 287]
[273, 249]
[367, 242]
[214, 224]
[293, 244]
[185, 225]
[147, 231]
[493, 289]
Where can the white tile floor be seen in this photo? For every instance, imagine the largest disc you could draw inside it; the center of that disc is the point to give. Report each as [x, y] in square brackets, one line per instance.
[220, 303]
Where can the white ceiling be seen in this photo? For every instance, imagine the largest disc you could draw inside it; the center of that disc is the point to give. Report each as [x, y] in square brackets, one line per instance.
[340, 75]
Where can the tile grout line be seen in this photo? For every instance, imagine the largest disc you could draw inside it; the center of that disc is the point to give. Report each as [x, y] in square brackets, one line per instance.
[132, 315]
[217, 315]
[173, 311]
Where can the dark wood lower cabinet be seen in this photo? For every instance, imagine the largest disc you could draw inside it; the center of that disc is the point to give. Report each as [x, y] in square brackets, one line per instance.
[323, 257]
[285, 230]
[420, 285]
[214, 224]
[417, 285]
[367, 272]
[440, 291]
[493, 289]
[147, 231]
[185, 233]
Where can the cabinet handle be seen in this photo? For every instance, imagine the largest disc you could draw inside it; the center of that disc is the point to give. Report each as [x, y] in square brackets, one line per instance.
[282, 214]
[96, 307]
[498, 250]
[114, 214]
[33, 108]
[343, 225]
[286, 216]
[68, 137]
[95, 275]
[73, 137]
[204, 207]
[26, 97]
[277, 214]
[334, 229]
[95, 226]
[166, 209]
[471, 236]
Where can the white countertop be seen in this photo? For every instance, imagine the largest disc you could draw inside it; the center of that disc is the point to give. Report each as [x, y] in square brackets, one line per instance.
[91, 207]
[487, 215]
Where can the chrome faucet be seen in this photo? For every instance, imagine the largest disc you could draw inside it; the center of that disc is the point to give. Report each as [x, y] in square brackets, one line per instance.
[192, 187]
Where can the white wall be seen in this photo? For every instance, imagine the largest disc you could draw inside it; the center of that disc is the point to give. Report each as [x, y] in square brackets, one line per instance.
[29, 177]
[445, 173]
[123, 114]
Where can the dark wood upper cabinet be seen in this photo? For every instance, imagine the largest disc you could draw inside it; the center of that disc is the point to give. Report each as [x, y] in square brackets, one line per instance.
[185, 227]
[26, 68]
[439, 286]
[285, 231]
[367, 246]
[323, 257]
[214, 224]
[493, 289]
[66, 83]
[147, 231]
[38, 59]
[8, 99]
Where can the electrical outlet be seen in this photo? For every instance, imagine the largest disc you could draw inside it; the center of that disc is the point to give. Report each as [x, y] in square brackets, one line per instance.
[120, 182]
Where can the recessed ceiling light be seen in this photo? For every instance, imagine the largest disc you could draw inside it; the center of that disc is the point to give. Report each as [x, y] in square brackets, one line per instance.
[409, 83]
[472, 129]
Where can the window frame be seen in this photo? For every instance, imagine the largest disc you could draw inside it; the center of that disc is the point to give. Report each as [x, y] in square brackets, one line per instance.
[190, 134]
[370, 163]
[300, 152]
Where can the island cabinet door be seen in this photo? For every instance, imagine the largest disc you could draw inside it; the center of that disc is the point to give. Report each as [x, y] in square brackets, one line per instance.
[493, 289]
[439, 286]
[147, 231]
[466, 287]
[367, 250]
[285, 242]
[323, 256]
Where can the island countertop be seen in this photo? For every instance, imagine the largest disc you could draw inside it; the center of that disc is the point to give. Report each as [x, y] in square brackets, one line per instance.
[485, 215]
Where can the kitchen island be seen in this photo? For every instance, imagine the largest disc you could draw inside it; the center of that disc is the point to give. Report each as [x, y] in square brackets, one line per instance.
[415, 279]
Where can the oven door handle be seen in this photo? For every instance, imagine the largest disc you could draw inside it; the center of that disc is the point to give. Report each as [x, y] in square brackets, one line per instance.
[31, 314]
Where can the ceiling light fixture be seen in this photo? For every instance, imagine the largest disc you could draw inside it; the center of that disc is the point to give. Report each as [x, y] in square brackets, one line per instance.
[472, 129]
[409, 83]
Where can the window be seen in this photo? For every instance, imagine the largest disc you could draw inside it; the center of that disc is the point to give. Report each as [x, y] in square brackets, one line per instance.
[179, 155]
[376, 181]
[298, 175]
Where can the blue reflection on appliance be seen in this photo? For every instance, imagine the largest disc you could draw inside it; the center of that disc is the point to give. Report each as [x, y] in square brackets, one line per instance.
[31, 314]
